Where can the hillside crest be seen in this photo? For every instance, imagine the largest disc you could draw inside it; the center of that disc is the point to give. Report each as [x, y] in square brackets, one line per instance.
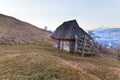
[14, 31]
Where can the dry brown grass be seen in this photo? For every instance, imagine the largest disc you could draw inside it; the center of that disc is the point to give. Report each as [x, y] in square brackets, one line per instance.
[42, 62]
[14, 31]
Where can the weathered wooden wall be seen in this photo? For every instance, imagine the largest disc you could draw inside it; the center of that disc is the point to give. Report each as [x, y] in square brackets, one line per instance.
[56, 43]
[62, 44]
[84, 46]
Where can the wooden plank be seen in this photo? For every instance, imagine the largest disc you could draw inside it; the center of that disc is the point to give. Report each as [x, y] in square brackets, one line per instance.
[85, 49]
[88, 52]
[80, 43]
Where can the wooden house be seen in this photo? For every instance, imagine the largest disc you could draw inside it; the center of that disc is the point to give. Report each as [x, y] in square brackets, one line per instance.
[70, 37]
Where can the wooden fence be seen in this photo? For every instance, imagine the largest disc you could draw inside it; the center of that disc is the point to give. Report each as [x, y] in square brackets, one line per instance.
[85, 46]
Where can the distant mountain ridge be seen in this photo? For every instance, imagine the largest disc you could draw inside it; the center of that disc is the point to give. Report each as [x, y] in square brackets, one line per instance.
[109, 37]
[14, 31]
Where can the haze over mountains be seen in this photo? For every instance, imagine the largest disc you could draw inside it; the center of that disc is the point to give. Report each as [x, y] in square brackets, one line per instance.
[109, 37]
[14, 31]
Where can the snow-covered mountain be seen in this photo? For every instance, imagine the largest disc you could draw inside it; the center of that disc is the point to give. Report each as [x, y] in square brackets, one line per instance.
[109, 37]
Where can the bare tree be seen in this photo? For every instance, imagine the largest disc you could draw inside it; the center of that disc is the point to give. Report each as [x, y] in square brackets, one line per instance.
[45, 28]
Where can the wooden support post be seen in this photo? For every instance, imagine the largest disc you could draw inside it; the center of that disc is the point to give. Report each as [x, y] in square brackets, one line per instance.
[58, 44]
[84, 46]
[76, 43]
[61, 44]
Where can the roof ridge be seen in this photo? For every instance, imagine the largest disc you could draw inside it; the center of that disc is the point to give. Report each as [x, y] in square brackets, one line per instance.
[70, 21]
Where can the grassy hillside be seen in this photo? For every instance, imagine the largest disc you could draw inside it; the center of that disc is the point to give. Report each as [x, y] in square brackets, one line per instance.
[14, 31]
[43, 62]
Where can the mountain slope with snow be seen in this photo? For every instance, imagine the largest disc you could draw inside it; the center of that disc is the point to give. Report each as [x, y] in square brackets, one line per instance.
[109, 37]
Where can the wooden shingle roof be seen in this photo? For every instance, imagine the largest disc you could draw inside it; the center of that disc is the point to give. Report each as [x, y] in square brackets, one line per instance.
[68, 30]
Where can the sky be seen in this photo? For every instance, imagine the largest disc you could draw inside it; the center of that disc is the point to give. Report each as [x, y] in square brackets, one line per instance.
[90, 14]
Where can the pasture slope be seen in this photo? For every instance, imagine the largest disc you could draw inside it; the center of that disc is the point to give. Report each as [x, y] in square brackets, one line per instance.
[14, 31]
[43, 62]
